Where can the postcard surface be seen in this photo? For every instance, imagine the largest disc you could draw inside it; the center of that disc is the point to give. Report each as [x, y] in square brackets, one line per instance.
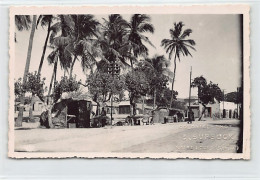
[129, 82]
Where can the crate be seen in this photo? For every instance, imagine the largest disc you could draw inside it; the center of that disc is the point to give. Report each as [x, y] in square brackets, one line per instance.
[71, 125]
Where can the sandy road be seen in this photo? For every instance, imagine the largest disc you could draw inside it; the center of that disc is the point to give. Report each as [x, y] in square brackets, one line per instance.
[205, 136]
[217, 138]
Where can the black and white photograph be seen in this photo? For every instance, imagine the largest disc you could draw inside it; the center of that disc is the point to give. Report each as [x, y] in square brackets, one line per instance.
[129, 82]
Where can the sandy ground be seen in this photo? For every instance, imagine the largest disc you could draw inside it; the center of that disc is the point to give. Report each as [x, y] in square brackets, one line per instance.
[200, 136]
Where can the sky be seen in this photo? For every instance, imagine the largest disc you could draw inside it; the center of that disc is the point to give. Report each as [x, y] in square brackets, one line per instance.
[217, 56]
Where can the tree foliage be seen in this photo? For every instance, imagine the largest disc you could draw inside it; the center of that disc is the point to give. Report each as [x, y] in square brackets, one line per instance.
[154, 69]
[35, 85]
[137, 85]
[163, 98]
[207, 92]
[23, 22]
[235, 97]
[138, 25]
[18, 87]
[102, 85]
[65, 85]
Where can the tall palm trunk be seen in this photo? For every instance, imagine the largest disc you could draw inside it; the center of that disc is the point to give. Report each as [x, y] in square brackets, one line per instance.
[55, 76]
[173, 80]
[203, 111]
[131, 104]
[19, 120]
[52, 79]
[44, 48]
[49, 105]
[131, 61]
[72, 65]
[31, 110]
[154, 99]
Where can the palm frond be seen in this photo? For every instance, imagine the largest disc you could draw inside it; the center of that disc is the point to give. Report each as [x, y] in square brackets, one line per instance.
[186, 33]
[38, 20]
[189, 41]
[189, 46]
[55, 28]
[146, 28]
[146, 39]
[166, 42]
[186, 51]
[61, 41]
[23, 22]
[52, 57]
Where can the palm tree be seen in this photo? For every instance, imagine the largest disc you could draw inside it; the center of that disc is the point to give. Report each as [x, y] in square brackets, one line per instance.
[121, 41]
[61, 55]
[139, 24]
[22, 22]
[46, 20]
[61, 46]
[156, 69]
[84, 44]
[26, 70]
[113, 40]
[178, 44]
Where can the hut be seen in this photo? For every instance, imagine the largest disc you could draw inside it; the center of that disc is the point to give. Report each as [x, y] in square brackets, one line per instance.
[160, 114]
[71, 113]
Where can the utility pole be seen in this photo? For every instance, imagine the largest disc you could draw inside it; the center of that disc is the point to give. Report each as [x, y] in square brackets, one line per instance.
[190, 86]
[154, 98]
[111, 108]
[237, 102]
[113, 69]
[143, 104]
[224, 114]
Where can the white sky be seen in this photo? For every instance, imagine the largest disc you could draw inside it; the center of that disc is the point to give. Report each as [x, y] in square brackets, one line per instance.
[217, 58]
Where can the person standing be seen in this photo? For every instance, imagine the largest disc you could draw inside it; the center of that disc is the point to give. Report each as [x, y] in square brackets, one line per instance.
[103, 116]
[190, 116]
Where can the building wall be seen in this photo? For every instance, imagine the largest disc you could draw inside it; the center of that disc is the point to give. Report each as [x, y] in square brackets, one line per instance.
[211, 111]
[37, 106]
[230, 109]
[196, 111]
[159, 115]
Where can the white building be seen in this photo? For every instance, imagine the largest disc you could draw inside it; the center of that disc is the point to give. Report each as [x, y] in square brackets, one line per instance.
[230, 109]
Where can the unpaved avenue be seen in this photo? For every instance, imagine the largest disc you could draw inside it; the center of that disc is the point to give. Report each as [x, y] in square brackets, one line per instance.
[205, 136]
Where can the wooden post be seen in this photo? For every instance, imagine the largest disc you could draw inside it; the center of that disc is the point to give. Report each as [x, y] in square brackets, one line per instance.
[190, 86]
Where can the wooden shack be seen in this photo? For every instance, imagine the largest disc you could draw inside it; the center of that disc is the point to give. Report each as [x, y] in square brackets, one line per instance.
[160, 114]
[72, 113]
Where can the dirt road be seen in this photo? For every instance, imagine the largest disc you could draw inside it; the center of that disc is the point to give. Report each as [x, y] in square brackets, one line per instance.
[204, 136]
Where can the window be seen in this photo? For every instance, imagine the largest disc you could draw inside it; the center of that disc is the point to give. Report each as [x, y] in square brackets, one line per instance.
[124, 109]
[109, 111]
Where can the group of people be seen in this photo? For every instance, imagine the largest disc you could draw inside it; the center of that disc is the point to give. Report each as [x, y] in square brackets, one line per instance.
[148, 119]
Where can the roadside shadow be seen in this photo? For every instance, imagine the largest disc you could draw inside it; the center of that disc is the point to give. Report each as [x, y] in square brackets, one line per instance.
[24, 128]
[227, 125]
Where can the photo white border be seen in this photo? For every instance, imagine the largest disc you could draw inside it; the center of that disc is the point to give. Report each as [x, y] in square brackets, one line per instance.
[131, 9]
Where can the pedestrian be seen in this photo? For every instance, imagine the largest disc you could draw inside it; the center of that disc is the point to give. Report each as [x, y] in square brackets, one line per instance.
[103, 116]
[175, 117]
[190, 116]
[151, 118]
